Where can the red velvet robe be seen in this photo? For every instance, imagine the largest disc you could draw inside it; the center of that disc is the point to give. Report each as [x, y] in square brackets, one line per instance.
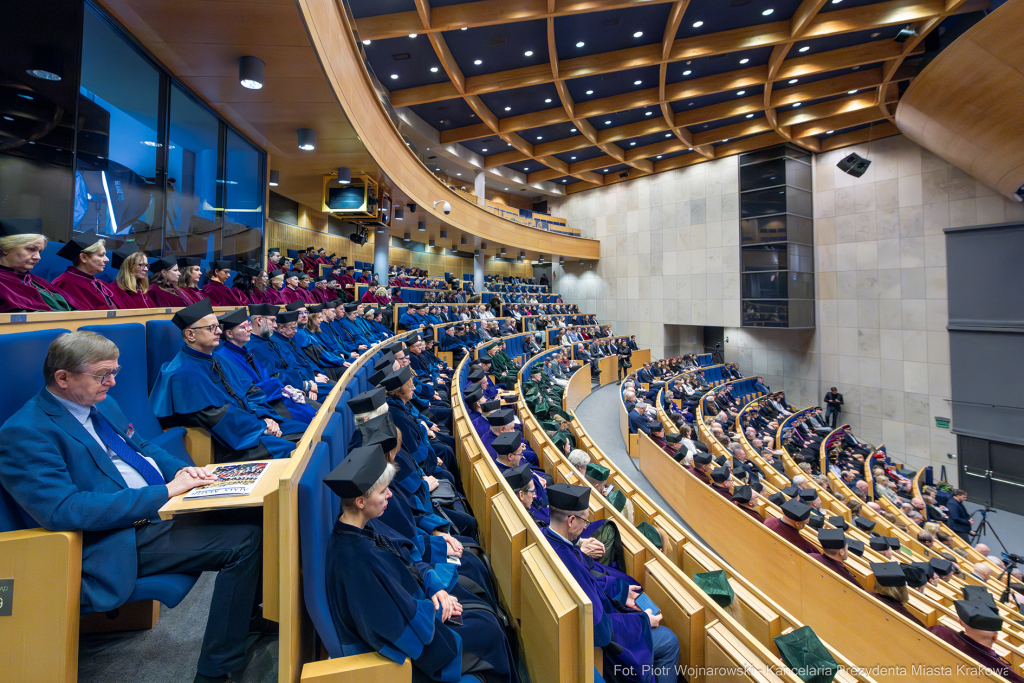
[18, 293]
[193, 294]
[161, 298]
[972, 648]
[127, 300]
[790, 534]
[221, 295]
[88, 293]
[841, 570]
[289, 295]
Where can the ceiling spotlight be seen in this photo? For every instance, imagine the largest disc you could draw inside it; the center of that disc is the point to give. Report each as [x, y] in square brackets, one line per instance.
[572, 158]
[750, 116]
[829, 132]
[508, 108]
[433, 69]
[485, 149]
[648, 113]
[836, 2]
[275, 178]
[506, 189]
[465, 28]
[422, 226]
[366, 42]
[478, 62]
[344, 175]
[725, 140]
[462, 240]
[503, 251]
[744, 60]
[590, 92]
[851, 92]
[604, 171]
[580, 44]
[307, 139]
[547, 101]
[637, 82]
[632, 144]
[687, 72]
[564, 180]
[876, 34]
[483, 245]
[854, 164]
[741, 92]
[793, 80]
[412, 208]
[250, 72]
[767, 12]
[540, 137]
[399, 214]
[412, 35]
[572, 130]
[638, 34]
[527, 168]
[529, 53]
[658, 157]
[805, 48]
[698, 24]
[607, 123]
[458, 174]
[394, 77]
[430, 241]
[797, 104]
[668, 135]
[522, 254]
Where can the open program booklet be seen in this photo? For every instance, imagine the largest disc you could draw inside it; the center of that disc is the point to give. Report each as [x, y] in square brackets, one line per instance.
[238, 479]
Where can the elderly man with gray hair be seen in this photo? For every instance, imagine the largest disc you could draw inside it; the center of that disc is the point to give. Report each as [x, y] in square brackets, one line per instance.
[72, 460]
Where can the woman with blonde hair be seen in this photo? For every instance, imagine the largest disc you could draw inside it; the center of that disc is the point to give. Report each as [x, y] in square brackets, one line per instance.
[132, 277]
[191, 271]
[88, 256]
[162, 290]
[275, 283]
[20, 290]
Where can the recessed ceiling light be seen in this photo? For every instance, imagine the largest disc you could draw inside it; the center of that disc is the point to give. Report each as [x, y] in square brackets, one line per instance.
[698, 24]
[744, 60]
[572, 158]
[805, 48]
[658, 157]
[547, 101]
[485, 149]
[458, 174]
[668, 135]
[648, 113]
[637, 82]
[527, 168]
[876, 34]
[412, 35]
[506, 188]
[797, 104]
[851, 92]
[750, 116]
[829, 132]
[836, 2]
[394, 76]
[540, 137]
[725, 140]
[508, 108]
[607, 123]
[590, 92]
[508, 144]
[638, 34]
[572, 130]
[564, 180]
[793, 80]
[580, 44]
[478, 62]
[8, 118]
[464, 28]
[366, 42]
[433, 69]
[767, 12]
[687, 72]
[632, 144]
[529, 53]
[741, 92]
[604, 171]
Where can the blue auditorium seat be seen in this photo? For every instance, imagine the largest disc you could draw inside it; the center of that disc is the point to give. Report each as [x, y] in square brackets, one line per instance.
[335, 435]
[130, 390]
[50, 265]
[315, 525]
[23, 379]
[163, 341]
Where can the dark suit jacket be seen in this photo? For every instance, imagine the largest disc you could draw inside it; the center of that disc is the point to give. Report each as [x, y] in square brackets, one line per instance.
[959, 520]
[638, 423]
[834, 397]
[645, 376]
[65, 481]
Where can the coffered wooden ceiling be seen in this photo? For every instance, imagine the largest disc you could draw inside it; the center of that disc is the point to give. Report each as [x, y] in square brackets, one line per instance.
[590, 92]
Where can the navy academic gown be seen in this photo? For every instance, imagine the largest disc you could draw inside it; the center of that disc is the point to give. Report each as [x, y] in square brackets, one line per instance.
[188, 386]
[272, 387]
[278, 360]
[378, 604]
[630, 630]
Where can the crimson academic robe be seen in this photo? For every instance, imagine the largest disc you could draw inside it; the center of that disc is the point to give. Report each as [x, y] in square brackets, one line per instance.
[221, 295]
[790, 534]
[88, 293]
[838, 567]
[984, 656]
[898, 606]
[261, 297]
[193, 294]
[124, 299]
[307, 296]
[162, 298]
[289, 295]
[275, 296]
[20, 292]
[753, 513]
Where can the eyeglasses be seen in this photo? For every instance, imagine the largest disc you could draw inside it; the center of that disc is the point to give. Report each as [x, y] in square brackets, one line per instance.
[105, 377]
[211, 328]
[585, 522]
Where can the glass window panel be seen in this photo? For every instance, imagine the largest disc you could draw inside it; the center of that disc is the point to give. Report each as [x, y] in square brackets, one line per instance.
[191, 225]
[778, 285]
[778, 228]
[115, 183]
[798, 174]
[37, 113]
[778, 256]
[775, 200]
[778, 313]
[763, 174]
[243, 199]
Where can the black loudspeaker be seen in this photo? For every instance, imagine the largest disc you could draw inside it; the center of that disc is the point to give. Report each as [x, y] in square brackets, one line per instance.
[358, 237]
[854, 164]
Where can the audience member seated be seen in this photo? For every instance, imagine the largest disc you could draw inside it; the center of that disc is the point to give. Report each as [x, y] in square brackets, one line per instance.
[20, 290]
[980, 624]
[794, 518]
[132, 283]
[79, 284]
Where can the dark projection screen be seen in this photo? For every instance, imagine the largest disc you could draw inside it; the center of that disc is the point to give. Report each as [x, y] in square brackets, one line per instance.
[986, 345]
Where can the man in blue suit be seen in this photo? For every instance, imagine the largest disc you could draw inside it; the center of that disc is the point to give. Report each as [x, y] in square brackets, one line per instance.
[959, 520]
[71, 459]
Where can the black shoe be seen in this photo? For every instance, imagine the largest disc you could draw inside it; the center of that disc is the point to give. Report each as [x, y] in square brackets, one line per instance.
[263, 627]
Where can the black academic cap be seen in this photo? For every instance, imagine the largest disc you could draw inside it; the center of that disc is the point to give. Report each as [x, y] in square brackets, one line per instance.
[397, 378]
[351, 307]
[459, 326]
[926, 567]
[743, 494]
[358, 472]
[274, 273]
[702, 458]
[189, 261]
[484, 358]
[979, 594]
[295, 305]
[490, 406]
[292, 273]
[315, 308]
[380, 431]
[264, 309]
[122, 252]
[839, 522]
[568, 497]
[879, 544]
[190, 315]
[657, 427]
[519, 476]
[791, 491]
[477, 375]
[285, 317]
[273, 250]
[165, 263]
[367, 401]
[721, 474]
[507, 442]
[888, 574]
[384, 361]
[350, 267]
[808, 495]
[395, 348]
[293, 253]
[474, 394]
[249, 270]
[739, 471]
[863, 523]
[310, 249]
[856, 547]
[675, 437]
[223, 264]
[233, 319]
[500, 418]
[978, 615]
[76, 245]
[21, 226]
[796, 510]
[941, 566]
[376, 378]
[915, 574]
[815, 521]
[832, 539]
[894, 543]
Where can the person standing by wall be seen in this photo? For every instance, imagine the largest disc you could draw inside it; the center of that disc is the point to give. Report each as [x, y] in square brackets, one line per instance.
[834, 406]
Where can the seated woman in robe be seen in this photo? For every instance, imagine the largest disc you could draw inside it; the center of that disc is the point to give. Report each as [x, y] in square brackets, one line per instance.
[132, 281]
[382, 600]
[162, 290]
[20, 290]
[79, 284]
[191, 268]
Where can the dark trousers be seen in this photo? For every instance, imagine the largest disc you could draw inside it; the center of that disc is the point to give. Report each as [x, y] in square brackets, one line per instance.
[831, 415]
[226, 543]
